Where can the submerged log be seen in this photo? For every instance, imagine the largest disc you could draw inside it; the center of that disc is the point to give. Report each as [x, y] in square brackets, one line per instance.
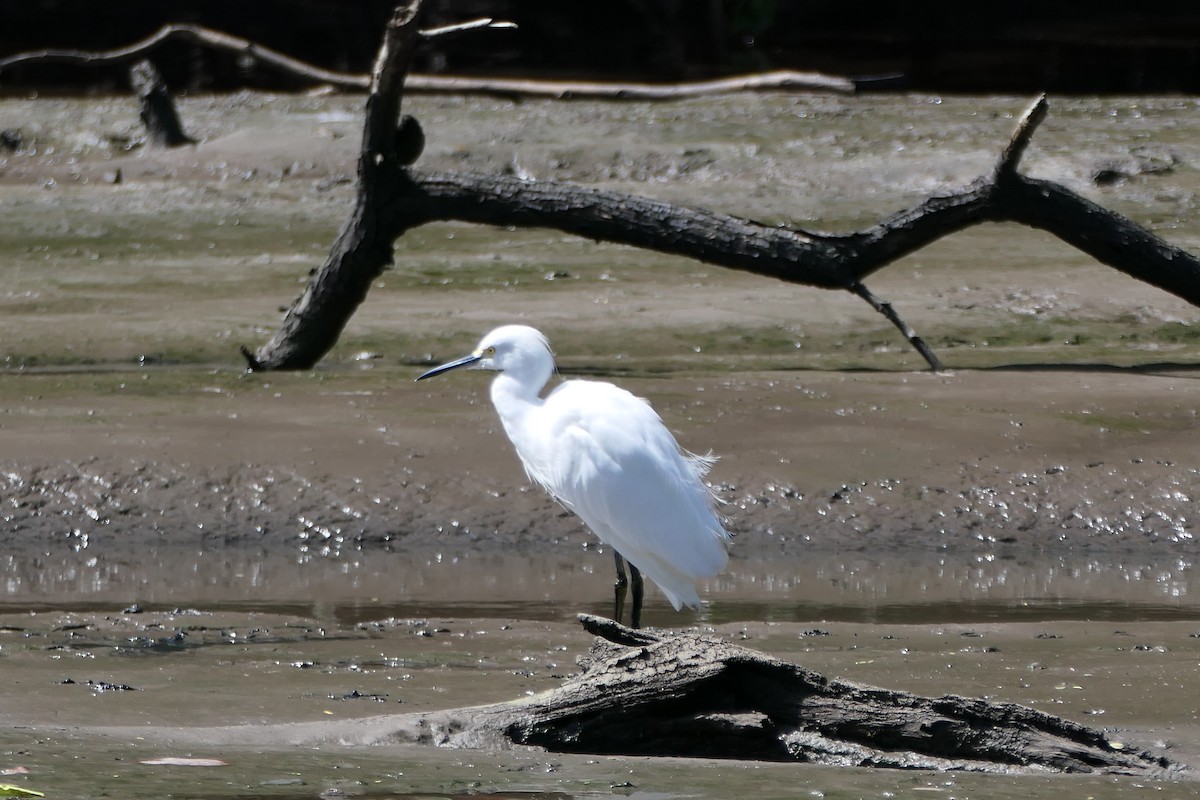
[664, 693]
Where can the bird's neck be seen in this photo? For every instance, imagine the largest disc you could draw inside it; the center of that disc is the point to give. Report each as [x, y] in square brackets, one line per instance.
[514, 399]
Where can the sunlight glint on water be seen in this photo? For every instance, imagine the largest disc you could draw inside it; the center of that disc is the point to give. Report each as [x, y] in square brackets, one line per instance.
[912, 588]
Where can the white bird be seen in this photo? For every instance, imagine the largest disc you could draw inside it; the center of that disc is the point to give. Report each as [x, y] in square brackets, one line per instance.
[606, 455]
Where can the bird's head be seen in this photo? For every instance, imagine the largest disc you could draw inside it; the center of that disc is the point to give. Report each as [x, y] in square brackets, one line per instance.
[519, 350]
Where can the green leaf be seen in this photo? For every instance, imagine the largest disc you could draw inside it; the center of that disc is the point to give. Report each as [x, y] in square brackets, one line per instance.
[8, 790]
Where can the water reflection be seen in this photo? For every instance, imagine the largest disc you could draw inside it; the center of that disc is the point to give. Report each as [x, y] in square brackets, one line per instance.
[912, 588]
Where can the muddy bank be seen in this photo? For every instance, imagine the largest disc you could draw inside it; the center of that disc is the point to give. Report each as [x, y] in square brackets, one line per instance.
[360, 494]
[822, 461]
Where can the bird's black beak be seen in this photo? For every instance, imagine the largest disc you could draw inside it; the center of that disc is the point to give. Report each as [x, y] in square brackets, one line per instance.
[465, 361]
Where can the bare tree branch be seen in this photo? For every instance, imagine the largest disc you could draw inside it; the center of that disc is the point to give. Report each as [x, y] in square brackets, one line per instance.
[364, 246]
[392, 199]
[825, 261]
[1022, 136]
[218, 40]
[195, 34]
[764, 81]
[463, 27]
[890, 313]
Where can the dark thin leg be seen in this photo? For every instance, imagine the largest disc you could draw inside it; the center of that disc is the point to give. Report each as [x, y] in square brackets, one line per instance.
[620, 588]
[635, 616]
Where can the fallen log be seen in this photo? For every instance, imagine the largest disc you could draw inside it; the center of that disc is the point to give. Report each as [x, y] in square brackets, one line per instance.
[668, 693]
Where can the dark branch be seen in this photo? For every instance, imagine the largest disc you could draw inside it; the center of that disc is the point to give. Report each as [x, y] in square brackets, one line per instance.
[825, 261]
[714, 238]
[1107, 236]
[1026, 126]
[364, 246]
[908, 333]
[393, 199]
[387, 78]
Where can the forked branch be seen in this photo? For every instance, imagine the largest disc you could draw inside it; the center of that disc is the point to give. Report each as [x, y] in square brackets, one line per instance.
[392, 198]
[396, 198]
[826, 261]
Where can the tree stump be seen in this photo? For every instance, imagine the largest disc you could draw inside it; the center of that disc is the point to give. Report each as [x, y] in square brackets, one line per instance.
[159, 115]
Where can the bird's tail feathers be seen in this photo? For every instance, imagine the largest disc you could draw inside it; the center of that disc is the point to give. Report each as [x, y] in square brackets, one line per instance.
[677, 584]
[681, 595]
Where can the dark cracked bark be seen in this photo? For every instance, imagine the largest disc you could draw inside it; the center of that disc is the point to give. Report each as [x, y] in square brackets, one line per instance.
[682, 694]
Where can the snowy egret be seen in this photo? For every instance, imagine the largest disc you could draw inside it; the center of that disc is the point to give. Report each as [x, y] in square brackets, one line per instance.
[606, 455]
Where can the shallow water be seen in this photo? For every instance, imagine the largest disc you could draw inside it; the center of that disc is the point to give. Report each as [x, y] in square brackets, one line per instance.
[894, 588]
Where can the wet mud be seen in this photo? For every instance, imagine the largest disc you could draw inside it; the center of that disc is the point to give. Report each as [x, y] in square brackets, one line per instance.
[200, 563]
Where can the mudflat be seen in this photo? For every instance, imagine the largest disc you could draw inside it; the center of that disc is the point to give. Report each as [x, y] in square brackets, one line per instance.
[1048, 478]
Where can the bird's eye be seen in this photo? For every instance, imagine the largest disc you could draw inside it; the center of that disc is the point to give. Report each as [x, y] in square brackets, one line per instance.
[488, 352]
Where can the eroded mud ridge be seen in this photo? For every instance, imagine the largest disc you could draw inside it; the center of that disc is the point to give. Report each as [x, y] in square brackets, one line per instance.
[1097, 506]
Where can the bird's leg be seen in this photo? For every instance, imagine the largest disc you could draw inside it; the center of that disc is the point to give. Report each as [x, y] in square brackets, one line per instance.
[635, 615]
[620, 588]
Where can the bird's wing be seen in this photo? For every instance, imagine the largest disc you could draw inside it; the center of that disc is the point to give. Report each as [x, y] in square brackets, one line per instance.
[613, 462]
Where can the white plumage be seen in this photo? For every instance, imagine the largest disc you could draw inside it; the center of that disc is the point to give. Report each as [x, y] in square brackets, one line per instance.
[606, 455]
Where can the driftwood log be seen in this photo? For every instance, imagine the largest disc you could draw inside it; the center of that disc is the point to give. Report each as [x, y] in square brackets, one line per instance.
[393, 198]
[684, 694]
